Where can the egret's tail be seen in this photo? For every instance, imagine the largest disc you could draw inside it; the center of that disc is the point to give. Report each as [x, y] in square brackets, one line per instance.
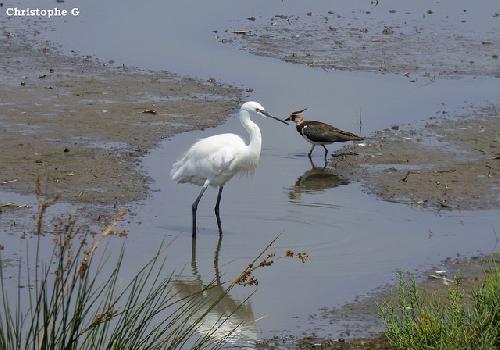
[176, 172]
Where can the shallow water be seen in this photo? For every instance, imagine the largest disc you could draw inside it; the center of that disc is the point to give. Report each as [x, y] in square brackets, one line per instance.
[356, 242]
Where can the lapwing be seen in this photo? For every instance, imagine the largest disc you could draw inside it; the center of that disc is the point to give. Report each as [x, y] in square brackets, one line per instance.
[318, 133]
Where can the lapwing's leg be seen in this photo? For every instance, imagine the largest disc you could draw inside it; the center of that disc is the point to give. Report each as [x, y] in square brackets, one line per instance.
[312, 163]
[326, 151]
[219, 223]
[195, 206]
[311, 151]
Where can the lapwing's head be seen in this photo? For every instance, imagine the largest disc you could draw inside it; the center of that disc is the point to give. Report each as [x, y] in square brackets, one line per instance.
[256, 107]
[297, 117]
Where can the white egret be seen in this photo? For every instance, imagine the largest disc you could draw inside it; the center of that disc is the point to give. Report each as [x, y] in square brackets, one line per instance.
[214, 160]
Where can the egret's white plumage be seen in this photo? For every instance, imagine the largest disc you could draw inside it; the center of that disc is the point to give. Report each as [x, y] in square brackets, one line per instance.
[214, 160]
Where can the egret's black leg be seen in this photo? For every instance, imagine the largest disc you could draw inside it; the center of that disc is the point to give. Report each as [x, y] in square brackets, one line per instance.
[195, 207]
[311, 151]
[216, 261]
[193, 255]
[219, 223]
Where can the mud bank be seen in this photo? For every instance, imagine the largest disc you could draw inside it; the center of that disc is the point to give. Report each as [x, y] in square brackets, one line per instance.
[82, 125]
[427, 43]
[449, 163]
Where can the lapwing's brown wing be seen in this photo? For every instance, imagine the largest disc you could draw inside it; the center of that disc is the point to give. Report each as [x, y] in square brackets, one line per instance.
[321, 132]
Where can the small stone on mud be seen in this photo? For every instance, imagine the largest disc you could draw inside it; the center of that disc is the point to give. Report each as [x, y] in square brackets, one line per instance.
[23, 83]
[392, 11]
[309, 13]
[252, 18]
[387, 30]
[66, 150]
[241, 32]
[429, 12]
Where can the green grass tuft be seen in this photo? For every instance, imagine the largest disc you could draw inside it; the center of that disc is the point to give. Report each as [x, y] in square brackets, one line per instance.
[417, 321]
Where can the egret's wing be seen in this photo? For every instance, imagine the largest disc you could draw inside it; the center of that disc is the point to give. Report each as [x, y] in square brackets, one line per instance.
[222, 160]
[208, 157]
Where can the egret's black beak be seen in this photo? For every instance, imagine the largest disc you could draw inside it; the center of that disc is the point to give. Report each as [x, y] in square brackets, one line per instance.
[270, 116]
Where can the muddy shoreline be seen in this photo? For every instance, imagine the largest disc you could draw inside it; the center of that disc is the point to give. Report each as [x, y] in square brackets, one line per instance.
[451, 163]
[82, 126]
[419, 45]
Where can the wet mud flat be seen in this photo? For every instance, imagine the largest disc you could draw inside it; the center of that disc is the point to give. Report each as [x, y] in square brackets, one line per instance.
[363, 330]
[449, 163]
[82, 125]
[426, 43]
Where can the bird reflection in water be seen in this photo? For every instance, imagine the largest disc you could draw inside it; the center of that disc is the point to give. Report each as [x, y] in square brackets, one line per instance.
[316, 179]
[240, 322]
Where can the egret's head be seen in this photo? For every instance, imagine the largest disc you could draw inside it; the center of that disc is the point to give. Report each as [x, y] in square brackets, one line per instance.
[297, 116]
[257, 108]
[252, 106]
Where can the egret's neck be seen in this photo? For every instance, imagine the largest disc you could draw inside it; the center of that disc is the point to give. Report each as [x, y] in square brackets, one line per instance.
[253, 130]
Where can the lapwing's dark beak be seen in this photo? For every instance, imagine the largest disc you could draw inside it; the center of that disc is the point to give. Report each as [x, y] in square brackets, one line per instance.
[270, 116]
[288, 119]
